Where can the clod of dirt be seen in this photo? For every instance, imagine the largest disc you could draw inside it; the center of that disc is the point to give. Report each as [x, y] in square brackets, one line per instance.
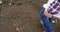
[19, 3]
[29, 1]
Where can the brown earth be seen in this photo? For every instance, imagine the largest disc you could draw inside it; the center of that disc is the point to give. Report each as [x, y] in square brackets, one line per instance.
[22, 16]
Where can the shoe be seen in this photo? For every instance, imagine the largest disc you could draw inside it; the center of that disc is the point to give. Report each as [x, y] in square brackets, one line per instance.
[54, 21]
[42, 25]
[41, 22]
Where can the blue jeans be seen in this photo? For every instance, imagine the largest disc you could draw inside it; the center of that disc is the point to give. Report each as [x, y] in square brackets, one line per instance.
[46, 21]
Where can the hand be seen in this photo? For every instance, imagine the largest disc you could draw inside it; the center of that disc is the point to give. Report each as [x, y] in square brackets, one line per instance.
[47, 14]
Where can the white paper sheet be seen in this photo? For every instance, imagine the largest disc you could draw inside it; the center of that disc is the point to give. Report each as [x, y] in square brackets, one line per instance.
[57, 15]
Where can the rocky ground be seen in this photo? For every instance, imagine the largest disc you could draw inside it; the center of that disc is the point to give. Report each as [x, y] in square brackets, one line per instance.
[22, 16]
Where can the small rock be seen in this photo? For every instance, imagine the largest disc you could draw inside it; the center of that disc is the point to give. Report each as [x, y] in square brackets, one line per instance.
[10, 4]
[17, 29]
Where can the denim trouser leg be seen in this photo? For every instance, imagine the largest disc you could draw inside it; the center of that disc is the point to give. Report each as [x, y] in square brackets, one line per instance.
[51, 19]
[46, 21]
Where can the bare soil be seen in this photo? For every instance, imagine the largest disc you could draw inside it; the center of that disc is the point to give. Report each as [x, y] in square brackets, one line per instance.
[22, 16]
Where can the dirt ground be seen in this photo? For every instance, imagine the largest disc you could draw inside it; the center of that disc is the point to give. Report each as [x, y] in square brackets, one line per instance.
[22, 16]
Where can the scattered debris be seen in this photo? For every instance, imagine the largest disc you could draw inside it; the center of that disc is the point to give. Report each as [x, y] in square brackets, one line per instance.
[18, 28]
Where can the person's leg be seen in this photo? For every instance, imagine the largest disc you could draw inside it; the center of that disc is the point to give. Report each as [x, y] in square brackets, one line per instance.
[51, 20]
[46, 22]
